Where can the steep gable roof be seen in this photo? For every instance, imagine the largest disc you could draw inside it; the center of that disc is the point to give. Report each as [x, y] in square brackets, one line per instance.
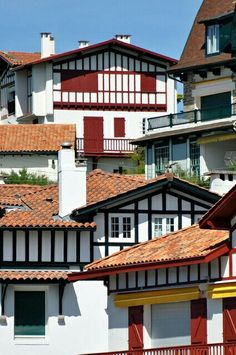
[194, 51]
[188, 245]
[35, 138]
[104, 45]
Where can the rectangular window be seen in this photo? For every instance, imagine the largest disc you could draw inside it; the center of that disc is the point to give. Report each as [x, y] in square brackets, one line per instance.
[11, 103]
[29, 313]
[114, 227]
[162, 158]
[194, 152]
[119, 127]
[213, 39]
[163, 225]
[158, 229]
[126, 227]
[122, 228]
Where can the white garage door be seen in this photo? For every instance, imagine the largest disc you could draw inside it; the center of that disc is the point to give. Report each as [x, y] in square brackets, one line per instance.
[171, 324]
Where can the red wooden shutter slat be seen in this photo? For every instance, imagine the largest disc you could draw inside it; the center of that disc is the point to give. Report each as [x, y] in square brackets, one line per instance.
[148, 82]
[198, 322]
[119, 127]
[72, 80]
[93, 135]
[229, 320]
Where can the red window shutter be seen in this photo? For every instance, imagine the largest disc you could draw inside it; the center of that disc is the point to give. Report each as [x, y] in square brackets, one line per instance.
[119, 127]
[198, 322]
[73, 80]
[148, 82]
[136, 328]
[229, 320]
[93, 135]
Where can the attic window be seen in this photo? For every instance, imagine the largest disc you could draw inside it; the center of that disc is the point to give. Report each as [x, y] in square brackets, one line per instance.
[213, 39]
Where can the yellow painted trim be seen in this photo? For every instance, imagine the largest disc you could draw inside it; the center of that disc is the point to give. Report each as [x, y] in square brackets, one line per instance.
[155, 297]
[222, 291]
[217, 138]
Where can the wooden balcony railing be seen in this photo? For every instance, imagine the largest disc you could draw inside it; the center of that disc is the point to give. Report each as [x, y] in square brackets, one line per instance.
[194, 116]
[210, 349]
[108, 145]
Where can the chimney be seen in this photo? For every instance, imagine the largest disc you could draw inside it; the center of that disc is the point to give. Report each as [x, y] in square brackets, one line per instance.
[83, 43]
[47, 44]
[221, 181]
[71, 180]
[123, 38]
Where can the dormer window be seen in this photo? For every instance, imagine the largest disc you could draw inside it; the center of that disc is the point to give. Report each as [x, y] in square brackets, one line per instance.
[213, 39]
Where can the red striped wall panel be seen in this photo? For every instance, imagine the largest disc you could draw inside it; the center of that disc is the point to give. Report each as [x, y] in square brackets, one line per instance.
[73, 80]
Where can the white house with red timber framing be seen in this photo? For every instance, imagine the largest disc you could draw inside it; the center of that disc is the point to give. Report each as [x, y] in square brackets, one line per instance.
[106, 89]
[176, 293]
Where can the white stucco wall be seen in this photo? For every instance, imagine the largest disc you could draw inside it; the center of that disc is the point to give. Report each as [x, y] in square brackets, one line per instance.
[84, 329]
[39, 164]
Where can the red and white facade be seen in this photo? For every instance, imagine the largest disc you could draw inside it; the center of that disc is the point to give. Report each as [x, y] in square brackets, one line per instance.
[107, 90]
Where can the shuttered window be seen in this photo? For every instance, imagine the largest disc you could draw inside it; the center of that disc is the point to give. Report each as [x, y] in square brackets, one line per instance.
[72, 80]
[148, 82]
[119, 127]
[216, 106]
[29, 313]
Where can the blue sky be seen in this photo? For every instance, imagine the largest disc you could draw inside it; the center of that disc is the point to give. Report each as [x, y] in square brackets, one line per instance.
[158, 25]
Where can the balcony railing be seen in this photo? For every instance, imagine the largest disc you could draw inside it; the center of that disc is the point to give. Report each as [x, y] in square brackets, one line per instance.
[107, 145]
[211, 349]
[194, 116]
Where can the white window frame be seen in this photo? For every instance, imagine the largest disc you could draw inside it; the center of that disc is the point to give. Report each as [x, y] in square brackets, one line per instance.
[32, 339]
[213, 39]
[121, 228]
[164, 226]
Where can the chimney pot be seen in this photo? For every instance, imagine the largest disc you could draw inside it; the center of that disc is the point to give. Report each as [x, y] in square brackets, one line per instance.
[83, 43]
[123, 38]
[47, 44]
[66, 145]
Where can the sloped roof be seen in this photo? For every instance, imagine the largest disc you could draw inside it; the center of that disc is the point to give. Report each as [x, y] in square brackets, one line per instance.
[33, 275]
[107, 44]
[220, 215]
[19, 58]
[40, 208]
[188, 243]
[35, 137]
[194, 51]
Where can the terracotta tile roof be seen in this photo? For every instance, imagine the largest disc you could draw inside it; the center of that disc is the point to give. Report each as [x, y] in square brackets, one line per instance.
[16, 190]
[10, 201]
[20, 275]
[19, 58]
[188, 243]
[41, 207]
[35, 138]
[102, 185]
[194, 50]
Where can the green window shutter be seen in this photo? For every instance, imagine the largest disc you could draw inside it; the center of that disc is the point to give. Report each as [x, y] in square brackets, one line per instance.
[216, 106]
[30, 313]
[225, 35]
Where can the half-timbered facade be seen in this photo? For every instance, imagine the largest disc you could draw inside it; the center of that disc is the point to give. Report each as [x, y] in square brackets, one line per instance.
[44, 237]
[106, 89]
[177, 292]
[202, 137]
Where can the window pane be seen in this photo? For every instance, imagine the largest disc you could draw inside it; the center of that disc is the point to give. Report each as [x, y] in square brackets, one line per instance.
[162, 158]
[126, 227]
[158, 229]
[213, 39]
[170, 227]
[114, 227]
[29, 313]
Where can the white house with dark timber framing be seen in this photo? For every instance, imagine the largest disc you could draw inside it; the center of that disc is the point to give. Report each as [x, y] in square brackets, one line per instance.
[175, 293]
[49, 232]
[106, 89]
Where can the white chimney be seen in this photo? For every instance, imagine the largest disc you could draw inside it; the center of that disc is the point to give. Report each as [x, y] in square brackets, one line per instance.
[47, 44]
[221, 181]
[83, 43]
[123, 38]
[71, 180]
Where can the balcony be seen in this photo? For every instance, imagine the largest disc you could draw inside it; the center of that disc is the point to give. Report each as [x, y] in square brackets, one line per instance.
[106, 147]
[210, 349]
[190, 117]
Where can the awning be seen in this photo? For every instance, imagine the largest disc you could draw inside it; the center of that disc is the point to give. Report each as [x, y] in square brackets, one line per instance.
[217, 138]
[157, 297]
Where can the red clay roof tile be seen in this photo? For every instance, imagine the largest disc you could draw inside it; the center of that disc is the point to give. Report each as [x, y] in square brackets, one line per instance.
[20, 275]
[35, 138]
[19, 58]
[188, 243]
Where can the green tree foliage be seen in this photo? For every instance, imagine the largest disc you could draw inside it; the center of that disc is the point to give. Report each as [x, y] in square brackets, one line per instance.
[24, 177]
[137, 158]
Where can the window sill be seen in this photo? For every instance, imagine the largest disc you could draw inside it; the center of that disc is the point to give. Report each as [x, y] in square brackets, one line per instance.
[30, 340]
